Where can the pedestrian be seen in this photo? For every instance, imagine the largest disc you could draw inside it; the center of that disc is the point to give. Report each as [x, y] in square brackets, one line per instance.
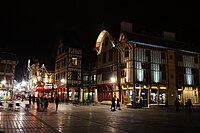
[33, 99]
[42, 103]
[46, 103]
[177, 104]
[189, 104]
[38, 103]
[22, 97]
[57, 102]
[29, 99]
[112, 104]
[118, 104]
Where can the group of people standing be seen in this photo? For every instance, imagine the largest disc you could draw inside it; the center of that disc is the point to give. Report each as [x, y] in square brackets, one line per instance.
[113, 104]
[42, 102]
[188, 105]
[31, 99]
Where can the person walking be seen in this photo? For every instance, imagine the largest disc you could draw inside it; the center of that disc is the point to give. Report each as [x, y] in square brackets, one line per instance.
[177, 104]
[113, 104]
[46, 103]
[118, 104]
[38, 103]
[189, 104]
[57, 102]
[29, 99]
[33, 99]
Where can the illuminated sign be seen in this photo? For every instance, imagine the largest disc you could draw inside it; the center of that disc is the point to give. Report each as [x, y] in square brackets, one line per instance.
[48, 86]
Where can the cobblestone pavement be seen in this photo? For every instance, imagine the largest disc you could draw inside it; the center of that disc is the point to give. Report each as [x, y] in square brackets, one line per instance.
[99, 119]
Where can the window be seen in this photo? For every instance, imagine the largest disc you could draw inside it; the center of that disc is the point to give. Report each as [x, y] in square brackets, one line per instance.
[95, 78]
[180, 58]
[106, 76]
[126, 52]
[123, 73]
[153, 96]
[74, 61]
[9, 68]
[162, 55]
[85, 79]
[110, 54]
[74, 75]
[196, 60]
[2, 67]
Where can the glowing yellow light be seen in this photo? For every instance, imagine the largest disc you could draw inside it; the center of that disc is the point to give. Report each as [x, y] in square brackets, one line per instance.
[113, 80]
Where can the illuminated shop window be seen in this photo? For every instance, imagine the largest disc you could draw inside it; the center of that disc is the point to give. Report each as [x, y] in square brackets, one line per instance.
[162, 96]
[154, 93]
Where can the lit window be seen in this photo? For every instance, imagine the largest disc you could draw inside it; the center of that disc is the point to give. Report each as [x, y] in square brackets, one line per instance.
[95, 78]
[74, 61]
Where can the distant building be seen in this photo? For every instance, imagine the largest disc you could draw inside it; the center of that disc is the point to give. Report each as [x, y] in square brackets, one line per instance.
[68, 67]
[8, 62]
[41, 81]
[75, 69]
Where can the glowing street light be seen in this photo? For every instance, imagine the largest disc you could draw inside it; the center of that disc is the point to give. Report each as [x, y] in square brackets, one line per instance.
[112, 79]
[3, 82]
[62, 81]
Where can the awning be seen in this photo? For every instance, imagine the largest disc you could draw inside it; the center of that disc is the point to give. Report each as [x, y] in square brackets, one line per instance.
[41, 89]
[106, 87]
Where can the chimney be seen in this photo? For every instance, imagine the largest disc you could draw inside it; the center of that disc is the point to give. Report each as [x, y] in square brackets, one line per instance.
[169, 35]
[126, 26]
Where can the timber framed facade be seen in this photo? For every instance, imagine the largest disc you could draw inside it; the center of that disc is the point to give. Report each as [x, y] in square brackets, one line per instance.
[150, 70]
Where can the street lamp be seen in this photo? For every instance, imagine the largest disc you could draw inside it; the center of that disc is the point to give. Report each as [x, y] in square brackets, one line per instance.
[3, 82]
[61, 93]
[113, 81]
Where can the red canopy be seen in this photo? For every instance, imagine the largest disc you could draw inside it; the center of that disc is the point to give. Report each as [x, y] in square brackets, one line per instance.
[41, 89]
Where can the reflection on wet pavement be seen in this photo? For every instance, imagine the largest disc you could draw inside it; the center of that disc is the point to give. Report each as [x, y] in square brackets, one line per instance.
[98, 119]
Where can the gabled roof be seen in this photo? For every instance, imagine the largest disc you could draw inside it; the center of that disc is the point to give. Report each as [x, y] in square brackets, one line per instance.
[71, 39]
[160, 42]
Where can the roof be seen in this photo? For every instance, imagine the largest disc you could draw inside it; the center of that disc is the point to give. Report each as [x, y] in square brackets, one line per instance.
[71, 39]
[160, 42]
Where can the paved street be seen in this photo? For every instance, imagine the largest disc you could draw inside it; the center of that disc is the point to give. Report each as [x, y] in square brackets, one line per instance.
[99, 119]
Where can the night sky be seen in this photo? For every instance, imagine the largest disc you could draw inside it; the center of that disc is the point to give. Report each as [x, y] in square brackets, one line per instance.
[28, 28]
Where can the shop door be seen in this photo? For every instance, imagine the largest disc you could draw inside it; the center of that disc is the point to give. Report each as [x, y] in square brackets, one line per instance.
[144, 97]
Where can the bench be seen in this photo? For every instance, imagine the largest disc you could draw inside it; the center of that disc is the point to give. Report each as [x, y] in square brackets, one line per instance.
[10, 106]
[17, 105]
[27, 106]
[1, 105]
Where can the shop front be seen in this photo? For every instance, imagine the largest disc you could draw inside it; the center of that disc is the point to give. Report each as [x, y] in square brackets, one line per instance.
[144, 95]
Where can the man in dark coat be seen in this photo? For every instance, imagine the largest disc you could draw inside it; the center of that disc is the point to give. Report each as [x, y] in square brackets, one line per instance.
[113, 104]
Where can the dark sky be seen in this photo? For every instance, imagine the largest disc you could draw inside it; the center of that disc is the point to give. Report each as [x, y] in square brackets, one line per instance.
[28, 28]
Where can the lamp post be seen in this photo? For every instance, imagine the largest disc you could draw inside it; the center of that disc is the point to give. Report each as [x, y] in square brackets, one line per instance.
[63, 82]
[113, 81]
